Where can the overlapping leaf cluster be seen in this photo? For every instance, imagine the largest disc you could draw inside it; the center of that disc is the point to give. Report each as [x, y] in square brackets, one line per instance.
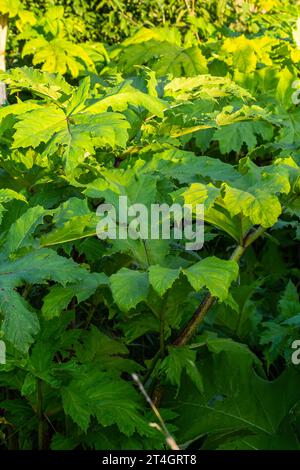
[159, 118]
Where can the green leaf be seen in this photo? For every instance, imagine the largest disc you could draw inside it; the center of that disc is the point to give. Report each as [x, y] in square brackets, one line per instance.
[20, 323]
[162, 278]
[178, 360]
[129, 288]
[39, 266]
[59, 297]
[260, 206]
[79, 97]
[232, 137]
[20, 233]
[76, 405]
[57, 300]
[140, 189]
[41, 83]
[58, 55]
[9, 194]
[95, 344]
[243, 53]
[10, 6]
[77, 227]
[199, 193]
[156, 48]
[61, 442]
[110, 400]
[77, 135]
[204, 86]
[125, 94]
[216, 170]
[45, 121]
[235, 398]
[289, 304]
[214, 273]
[219, 217]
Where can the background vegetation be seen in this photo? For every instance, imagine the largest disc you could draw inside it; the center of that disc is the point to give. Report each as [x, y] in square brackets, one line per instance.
[161, 101]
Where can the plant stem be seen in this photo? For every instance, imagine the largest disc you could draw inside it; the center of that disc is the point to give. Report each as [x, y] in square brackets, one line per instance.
[40, 414]
[195, 321]
[12, 437]
[162, 334]
[209, 300]
[199, 314]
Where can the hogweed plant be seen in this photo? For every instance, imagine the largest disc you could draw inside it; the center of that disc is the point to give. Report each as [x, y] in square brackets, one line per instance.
[164, 119]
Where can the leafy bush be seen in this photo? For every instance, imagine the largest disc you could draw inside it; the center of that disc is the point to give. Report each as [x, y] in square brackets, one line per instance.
[169, 114]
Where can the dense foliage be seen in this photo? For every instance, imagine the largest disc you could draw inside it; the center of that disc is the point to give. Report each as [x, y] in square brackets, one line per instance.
[198, 104]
